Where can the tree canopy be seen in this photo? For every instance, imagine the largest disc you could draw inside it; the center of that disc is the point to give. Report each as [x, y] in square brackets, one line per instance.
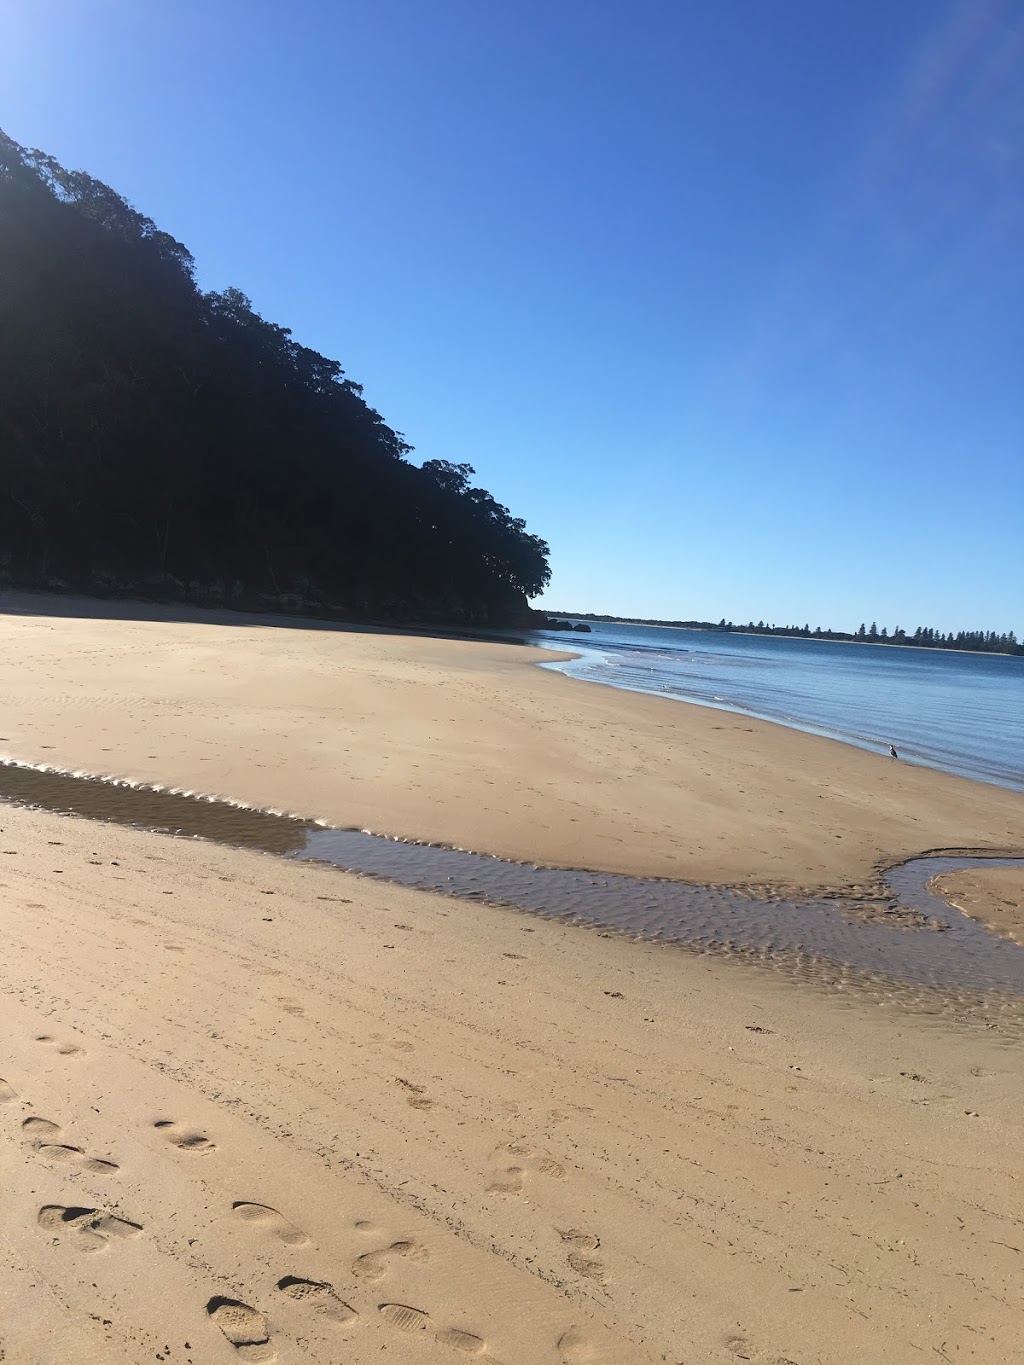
[163, 441]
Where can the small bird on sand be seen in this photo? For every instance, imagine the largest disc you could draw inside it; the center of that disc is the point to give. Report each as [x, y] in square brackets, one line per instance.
[892, 751]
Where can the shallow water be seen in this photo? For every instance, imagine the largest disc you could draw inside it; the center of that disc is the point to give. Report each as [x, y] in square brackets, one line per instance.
[960, 954]
[954, 953]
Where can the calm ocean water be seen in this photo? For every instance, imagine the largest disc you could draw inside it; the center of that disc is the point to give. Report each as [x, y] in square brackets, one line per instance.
[960, 712]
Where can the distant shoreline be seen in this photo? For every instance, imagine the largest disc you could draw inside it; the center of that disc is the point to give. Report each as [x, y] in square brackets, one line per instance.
[859, 701]
[780, 635]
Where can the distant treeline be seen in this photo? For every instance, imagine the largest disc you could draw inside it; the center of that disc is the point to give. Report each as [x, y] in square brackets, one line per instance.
[924, 637]
[160, 441]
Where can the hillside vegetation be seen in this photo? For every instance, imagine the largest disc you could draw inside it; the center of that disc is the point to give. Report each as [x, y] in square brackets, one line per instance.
[160, 441]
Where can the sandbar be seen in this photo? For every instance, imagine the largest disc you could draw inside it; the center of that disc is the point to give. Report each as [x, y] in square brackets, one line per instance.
[992, 895]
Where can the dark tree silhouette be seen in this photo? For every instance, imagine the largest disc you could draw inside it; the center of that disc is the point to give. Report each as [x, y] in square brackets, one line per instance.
[161, 441]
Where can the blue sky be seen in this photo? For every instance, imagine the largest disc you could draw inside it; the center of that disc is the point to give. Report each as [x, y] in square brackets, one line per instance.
[725, 297]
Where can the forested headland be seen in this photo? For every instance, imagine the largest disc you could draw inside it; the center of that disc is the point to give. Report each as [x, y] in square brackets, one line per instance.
[923, 637]
[161, 441]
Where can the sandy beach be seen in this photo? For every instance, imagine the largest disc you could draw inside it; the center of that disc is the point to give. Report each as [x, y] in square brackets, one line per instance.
[255, 1110]
[465, 743]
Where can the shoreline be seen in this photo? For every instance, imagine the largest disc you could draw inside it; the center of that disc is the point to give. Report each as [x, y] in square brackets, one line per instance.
[466, 744]
[812, 639]
[1010, 781]
[807, 728]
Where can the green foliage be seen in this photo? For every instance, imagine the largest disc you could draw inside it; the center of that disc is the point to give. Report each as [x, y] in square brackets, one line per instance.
[157, 439]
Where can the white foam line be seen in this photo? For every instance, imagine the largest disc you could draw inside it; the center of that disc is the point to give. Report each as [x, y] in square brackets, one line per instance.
[160, 788]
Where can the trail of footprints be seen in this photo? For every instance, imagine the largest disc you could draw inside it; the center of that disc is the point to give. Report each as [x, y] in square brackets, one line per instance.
[247, 1329]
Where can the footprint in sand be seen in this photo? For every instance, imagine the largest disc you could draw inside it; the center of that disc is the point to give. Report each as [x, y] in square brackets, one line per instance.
[45, 1138]
[466, 1342]
[511, 1178]
[86, 1229]
[416, 1096]
[744, 1349]
[509, 1181]
[7, 1093]
[373, 1265]
[403, 1318]
[547, 1166]
[65, 1049]
[186, 1138]
[741, 1347]
[320, 1297]
[246, 1329]
[587, 1266]
[575, 1347]
[579, 1258]
[412, 1321]
[270, 1221]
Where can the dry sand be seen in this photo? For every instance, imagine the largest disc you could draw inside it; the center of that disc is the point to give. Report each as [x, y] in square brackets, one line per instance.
[253, 1109]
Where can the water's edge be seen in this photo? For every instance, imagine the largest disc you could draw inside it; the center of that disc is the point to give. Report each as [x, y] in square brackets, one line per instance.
[596, 663]
[916, 939]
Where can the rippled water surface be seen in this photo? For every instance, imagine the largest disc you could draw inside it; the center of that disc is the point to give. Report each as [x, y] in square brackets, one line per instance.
[954, 953]
[960, 712]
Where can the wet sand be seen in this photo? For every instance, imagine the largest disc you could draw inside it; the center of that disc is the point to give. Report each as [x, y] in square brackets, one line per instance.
[253, 1109]
[907, 936]
[994, 896]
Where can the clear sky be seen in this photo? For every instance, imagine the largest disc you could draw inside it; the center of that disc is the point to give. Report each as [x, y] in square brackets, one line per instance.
[725, 297]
